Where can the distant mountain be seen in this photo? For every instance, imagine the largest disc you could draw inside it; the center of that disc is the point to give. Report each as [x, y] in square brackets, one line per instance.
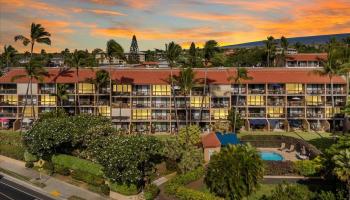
[317, 39]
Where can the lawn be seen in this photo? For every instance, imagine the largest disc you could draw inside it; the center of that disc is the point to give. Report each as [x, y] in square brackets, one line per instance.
[264, 189]
[11, 144]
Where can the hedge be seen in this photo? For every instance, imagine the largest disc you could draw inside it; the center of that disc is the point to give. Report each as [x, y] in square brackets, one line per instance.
[124, 189]
[80, 169]
[306, 167]
[279, 168]
[176, 187]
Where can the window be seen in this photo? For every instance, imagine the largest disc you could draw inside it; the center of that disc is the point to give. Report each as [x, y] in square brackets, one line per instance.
[48, 100]
[294, 88]
[11, 99]
[313, 100]
[275, 111]
[28, 112]
[329, 111]
[140, 114]
[161, 90]
[86, 88]
[220, 114]
[122, 88]
[256, 100]
[104, 111]
[196, 102]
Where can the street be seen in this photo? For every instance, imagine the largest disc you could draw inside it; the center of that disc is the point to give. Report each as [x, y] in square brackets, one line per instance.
[13, 191]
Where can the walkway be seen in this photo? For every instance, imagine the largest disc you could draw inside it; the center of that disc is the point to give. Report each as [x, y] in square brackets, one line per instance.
[53, 187]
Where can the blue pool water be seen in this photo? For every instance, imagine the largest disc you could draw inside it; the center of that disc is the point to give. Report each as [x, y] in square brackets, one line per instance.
[266, 155]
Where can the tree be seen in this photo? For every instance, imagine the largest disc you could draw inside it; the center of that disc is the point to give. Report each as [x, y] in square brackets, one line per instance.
[342, 167]
[33, 71]
[192, 55]
[235, 172]
[127, 159]
[191, 159]
[284, 45]
[101, 80]
[331, 68]
[241, 74]
[77, 60]
[38, 34]
[289, 192]
[221, 126]
[113, 50]
[186, 81]
[235, 120]
[172, 53]
[189, 136]
[210, 48]
[270, 47]
[8, 55]
[94, 53]
[134, 51]
[61, 93]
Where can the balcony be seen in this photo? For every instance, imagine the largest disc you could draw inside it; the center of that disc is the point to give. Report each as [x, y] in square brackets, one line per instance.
[295, 115]
[204, 117]
[257, 115]
[141, 93]
[160, 117]
[220, 105]
[140, 105]
[314, 92]
[256, 91]
[276, 115]
[121, 93]
[275, 103]
[85, 103]
[8, 114]
[236, 91]
[47, 91]
[296, 103]
[315, 115]
[120, 118]
[160, 105]
[336, 91]
[121, 105]
[8, 91]
[277, 91]
[102, 103]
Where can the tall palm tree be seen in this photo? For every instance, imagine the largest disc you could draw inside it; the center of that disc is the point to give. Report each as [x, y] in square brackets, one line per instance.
[101, 80]
[186, 81]
[33, 71]
[192, 52]
[9, 55]
[270, 46]
[77, 60]
[38, 34]
[331, 68]
[284, 44]
[61, 93]
[113, 50]
[172, 54]
[211, 47]
[342, 166]
[241, 74]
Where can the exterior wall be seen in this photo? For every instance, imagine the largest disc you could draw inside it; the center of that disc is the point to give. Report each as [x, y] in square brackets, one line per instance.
[22, 88]
[220, 90]
[209, 151]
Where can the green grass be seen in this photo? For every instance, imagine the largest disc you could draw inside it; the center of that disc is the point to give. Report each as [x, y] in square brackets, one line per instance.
[301, 135]
[264, 189]
[11, 144]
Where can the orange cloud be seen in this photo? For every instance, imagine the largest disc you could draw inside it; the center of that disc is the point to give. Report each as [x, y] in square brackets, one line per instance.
[33, 5]
[98, 11]
[208, 16]
[136, 4]
[253, 5]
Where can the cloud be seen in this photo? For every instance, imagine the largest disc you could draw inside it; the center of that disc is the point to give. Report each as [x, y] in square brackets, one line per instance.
[255, 5]
[208, 16]
[135, 4]
[32, 5]
[98, 11]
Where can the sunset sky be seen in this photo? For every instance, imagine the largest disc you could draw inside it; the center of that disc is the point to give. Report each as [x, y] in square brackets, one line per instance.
[88, 24]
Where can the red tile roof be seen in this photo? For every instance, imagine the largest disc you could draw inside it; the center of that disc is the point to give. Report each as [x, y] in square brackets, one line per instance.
[160, 76]
[307, 57]
[210, 141]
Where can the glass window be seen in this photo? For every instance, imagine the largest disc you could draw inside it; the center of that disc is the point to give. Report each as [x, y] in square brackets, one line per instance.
[122, 88]
[313, 100]
[161, 90]
[104, 111]
[28, 112]
[256, 100]
[11, 99]
[220, 114]
[294, 88]
[48, 100]
[86, 88]
[196, 101]
[329, 111]
[275, 111]
[140, 114]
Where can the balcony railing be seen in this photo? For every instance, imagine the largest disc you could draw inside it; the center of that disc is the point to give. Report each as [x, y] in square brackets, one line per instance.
[339, 103]
[256, 91]
[121, 93]
[295, 92]
[121, 105]
[276, 115]
[220, 105]
[296, 103]
[295, 114]
[160, 105]
[336, 91]
[315, 115]
[161, 117]
[84, 103]
[8, 103]
[47, 91]
[276, 91]
[141, 105]
[256, 114]
[8, 91]
[204, 117]
[320, 91]
[8, 114]
[141, 93]
[235, 91]
[275, 103]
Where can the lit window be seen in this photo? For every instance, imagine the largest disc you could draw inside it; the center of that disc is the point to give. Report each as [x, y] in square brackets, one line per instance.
[104, 111]
[140, 114]
[329, 111]
[122, 88]
[256, 100]
[11, 99]
[220, 114]
[28, 112]
[294, 88]
[196, 101]
[48, 100]
[313, 100]
[275, 111]
[86, 88]
[161, 90]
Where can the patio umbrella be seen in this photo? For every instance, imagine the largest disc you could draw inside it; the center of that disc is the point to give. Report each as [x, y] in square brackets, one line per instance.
[296, 98]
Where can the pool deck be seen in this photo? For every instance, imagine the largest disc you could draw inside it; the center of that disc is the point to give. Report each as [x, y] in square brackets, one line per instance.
[287, 156]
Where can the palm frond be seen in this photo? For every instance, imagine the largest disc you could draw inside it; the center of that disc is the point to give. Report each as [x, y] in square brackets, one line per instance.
[44, 40]
[18, 76]
[22, 38]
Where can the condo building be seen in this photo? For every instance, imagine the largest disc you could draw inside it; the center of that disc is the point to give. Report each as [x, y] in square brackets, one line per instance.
[305, 60]
[141, 100]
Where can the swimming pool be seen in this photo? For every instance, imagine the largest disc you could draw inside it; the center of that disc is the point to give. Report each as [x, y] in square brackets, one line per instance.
[267, 155]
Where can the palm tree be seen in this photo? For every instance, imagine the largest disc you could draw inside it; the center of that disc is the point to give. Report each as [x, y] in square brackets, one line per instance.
[211, 47]
[242, 74]
[61, 93]
[270, 46]
[342, 166]
[34, 71]
[37, 35]
[186, 81]
[330, 67]
[77, 60]
[172, 53]
[192, 52]
[284, 45]
[8, 55]
[101, 80]
[113, 50]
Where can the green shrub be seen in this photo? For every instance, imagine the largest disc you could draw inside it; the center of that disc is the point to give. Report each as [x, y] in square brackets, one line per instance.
[28, 157]
[151, 191]
[306, 167]
[176, 187]
[82, 170]
[12, 151]
[48, 167]
[29, 165]
[61, 170]
[124, 189]
[102, 189]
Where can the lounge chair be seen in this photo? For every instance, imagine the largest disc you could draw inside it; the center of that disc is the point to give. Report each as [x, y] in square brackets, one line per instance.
[291, 149]
[283, 146]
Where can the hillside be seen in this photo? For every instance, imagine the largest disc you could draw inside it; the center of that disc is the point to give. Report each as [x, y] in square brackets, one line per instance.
[317, 39]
